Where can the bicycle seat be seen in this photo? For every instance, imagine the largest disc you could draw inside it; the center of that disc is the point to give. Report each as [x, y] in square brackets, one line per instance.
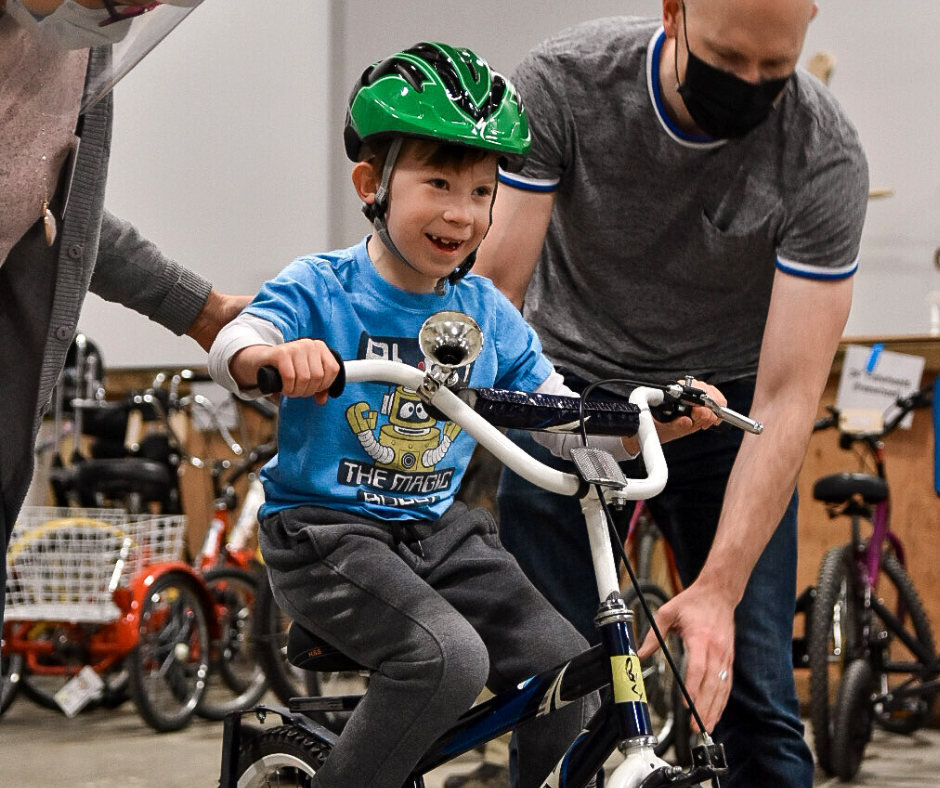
[117, 478]
[311, 652]
[842, 487]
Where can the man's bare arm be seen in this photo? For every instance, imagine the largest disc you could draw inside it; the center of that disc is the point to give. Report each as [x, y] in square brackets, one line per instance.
[512, 247]
[804, 326]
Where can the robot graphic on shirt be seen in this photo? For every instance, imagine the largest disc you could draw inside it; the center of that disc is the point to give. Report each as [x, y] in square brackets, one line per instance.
[410, 441]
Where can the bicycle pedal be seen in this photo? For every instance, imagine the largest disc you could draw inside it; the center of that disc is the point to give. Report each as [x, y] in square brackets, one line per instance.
[597, 466]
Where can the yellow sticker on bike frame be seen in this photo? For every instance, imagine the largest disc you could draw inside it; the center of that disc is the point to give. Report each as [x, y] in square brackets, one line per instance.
[628, 679]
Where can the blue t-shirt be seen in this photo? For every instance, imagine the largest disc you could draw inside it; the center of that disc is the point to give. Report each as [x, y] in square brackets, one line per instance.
[374, 450]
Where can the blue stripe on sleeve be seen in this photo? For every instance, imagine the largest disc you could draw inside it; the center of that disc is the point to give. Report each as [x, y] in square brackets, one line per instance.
[815, 271]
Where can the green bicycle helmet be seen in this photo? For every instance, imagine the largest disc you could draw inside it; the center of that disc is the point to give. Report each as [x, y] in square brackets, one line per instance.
[435, 92]
[438, 92]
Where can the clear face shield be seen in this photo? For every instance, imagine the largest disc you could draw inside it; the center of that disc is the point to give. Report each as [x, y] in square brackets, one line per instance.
[131, 27]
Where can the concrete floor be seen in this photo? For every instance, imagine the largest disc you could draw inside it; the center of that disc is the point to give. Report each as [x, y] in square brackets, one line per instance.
[112, 749]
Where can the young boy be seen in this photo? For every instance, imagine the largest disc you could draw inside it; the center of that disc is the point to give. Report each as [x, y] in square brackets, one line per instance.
[363, 541]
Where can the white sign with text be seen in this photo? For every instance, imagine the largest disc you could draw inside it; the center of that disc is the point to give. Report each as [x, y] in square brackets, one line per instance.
[872, 379]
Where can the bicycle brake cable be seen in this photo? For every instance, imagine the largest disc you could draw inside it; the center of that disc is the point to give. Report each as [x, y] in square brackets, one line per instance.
[615, 538]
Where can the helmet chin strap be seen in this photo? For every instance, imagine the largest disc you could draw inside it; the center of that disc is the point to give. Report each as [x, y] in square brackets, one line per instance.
[377, 211]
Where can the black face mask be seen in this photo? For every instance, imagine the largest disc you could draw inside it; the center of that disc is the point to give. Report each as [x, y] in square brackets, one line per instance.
[722, 104]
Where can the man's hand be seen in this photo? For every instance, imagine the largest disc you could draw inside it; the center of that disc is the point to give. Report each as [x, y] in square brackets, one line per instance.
[218, 310]
[699, 418]
[307, 367]
[705, 622]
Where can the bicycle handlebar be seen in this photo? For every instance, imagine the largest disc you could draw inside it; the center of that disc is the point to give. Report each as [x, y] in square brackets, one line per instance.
[922, 398]
[489, 436]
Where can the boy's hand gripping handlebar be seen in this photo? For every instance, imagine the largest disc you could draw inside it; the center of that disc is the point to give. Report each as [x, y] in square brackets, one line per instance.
[269, 379]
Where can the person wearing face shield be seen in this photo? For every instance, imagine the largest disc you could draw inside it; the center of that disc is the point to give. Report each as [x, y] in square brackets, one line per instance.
[692, 203]
[58, 61]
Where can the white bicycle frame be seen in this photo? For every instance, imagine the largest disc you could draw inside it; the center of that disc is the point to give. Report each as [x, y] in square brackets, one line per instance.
[640, 760]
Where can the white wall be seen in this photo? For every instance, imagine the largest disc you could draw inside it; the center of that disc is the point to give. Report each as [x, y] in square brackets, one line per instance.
[885, 77]
[228, 147]
[219, 157]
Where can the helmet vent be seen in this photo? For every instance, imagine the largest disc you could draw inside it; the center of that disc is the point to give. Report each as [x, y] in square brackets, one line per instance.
[406, 70]
[445, 69]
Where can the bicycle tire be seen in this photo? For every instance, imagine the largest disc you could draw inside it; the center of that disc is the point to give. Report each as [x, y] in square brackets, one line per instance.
[685, 740]
[661, 688]
[11, 672]
[915, 712]
[648, 537]
[852, 719]
[838, 585]
[269, 638]
[282, 756]
[832, 639]
[236, 680]
[170, 663]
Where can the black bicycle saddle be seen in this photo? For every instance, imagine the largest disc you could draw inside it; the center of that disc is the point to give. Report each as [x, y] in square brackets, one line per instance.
[842, 487]
[311, 652]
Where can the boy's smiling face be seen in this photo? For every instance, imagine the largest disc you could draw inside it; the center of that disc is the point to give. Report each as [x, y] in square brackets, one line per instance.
[437, 216]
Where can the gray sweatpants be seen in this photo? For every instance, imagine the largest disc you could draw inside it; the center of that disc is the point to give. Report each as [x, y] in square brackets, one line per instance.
[436, 615]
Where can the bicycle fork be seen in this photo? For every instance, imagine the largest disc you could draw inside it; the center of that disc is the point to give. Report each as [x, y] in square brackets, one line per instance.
[624, 717]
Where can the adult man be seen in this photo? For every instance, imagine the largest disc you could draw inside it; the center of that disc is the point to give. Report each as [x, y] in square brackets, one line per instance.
[693, 204]
[50, 253]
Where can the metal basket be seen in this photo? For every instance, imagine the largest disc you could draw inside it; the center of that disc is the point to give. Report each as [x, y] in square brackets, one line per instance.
[64, 564]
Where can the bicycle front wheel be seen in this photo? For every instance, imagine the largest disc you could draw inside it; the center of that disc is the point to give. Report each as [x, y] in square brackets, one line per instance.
[282, 757]
[832, 639]
[236, 679]
[852, 719]
[170, 664]
[896, 591]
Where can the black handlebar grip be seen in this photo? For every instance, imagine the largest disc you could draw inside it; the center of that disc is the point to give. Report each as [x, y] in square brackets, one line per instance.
[269, 379]
[339, 382]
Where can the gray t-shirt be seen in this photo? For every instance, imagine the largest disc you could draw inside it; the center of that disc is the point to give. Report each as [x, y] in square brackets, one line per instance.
[661, 252]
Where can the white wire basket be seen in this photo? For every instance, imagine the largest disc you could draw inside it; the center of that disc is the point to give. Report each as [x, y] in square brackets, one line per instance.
[65, 564]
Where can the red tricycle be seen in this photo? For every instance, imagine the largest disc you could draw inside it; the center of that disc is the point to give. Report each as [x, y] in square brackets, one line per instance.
[98, 597]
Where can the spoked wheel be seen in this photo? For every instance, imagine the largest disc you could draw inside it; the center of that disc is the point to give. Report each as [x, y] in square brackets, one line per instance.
[897, 593]
[236, 679]
[270, 644]
[11, 671]
[662, 692]
[852, 719]
[833, 639]
[283, 757]
[170, 664]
